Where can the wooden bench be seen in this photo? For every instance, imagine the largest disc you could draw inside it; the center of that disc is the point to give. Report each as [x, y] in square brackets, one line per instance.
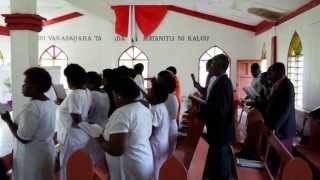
[7, 162]
[311, 151]
[271, 151]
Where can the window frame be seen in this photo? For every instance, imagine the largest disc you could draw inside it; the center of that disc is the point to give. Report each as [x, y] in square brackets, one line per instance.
[299, 76]
[133, 59]
[206, 52]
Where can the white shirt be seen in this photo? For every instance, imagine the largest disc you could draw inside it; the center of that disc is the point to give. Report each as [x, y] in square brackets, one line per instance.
[99, 109]
[78, 101]
[160, 136]
[172, 105]
[137, 161]
[36, 123]
[139, 80]
[256, 84]
[211, 81]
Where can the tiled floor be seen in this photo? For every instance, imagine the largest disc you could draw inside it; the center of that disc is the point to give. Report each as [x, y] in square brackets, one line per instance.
[6, 139]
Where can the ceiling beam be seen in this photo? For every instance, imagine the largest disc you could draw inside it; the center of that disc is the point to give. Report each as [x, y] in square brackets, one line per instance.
[265, 25]
[212, 18]
[62, 18]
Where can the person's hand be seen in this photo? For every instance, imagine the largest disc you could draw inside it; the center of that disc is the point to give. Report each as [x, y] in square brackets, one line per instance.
[6, 116]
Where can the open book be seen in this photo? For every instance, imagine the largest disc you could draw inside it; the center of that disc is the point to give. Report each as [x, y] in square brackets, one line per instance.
[198, 99]
[4, 108]
[251, 92]
[93, 130]
[59, 90]
[249, 163]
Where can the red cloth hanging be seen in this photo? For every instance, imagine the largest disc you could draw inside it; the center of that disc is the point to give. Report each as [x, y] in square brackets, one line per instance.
[149, 17]
[122, 20]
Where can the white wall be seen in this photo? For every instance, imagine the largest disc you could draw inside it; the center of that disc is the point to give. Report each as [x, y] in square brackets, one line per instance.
[97, 55]
[307, 26]
[239, 44]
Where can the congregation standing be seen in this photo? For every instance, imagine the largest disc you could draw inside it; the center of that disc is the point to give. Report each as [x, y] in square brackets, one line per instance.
[140, 126]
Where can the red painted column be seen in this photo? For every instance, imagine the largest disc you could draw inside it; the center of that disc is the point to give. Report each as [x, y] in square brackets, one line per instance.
[274, 49]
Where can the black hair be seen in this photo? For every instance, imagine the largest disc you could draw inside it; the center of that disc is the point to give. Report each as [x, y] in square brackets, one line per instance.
[168, 79]
[138, 68]
[75, 74]
[126, 87]
[131, 73]
[278, 68]
[94, 78]
[222, 61]
[159, 91]
[255, 66]
[107, 74]
[172, 69]
[121, 71]
[40, 77]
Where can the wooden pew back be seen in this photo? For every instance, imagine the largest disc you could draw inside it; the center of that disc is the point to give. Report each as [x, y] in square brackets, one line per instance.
[267, 147]
[79, 166]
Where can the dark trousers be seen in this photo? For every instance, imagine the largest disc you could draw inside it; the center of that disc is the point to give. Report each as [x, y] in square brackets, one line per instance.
[219, 163]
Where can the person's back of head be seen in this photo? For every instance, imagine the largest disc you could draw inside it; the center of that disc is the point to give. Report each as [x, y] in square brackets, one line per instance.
[94, 80]
[168, 79]
[220, 64]
[132, 73]
[277, 71]
[76, 75]
[172, 69]
[138, 68]
[126, 87]
[107, 75]
[159, 92]
[40, 77]
[255, 70]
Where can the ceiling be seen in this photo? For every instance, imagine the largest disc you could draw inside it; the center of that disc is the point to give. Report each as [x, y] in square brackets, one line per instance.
[236, 10]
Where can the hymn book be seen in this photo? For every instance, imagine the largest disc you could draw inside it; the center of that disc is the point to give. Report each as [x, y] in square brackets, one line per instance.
[198, 99]
[93, 130]
[59, 90]
[4, 108]
[249, 163]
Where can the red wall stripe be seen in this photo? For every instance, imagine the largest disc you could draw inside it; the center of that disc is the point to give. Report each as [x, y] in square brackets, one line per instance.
[300, 10]
[62, 18]
[263, 27]
[212, 18]
[4, 31]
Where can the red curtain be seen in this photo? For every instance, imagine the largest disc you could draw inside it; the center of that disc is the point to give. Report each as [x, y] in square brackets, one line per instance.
[122, 20]
[148, 18]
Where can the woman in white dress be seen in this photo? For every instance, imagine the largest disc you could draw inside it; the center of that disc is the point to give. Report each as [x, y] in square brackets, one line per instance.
[98, 113]
[33, 153]
[160, 126]
[73, 110]
[172, 105]
[126, 135]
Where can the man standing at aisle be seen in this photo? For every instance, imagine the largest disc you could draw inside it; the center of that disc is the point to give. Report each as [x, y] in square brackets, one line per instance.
[218, 115]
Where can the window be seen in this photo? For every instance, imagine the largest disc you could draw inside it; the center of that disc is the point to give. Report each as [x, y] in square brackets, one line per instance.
[133, 56]
[55, 60]
[295, 68]
[203, 61]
